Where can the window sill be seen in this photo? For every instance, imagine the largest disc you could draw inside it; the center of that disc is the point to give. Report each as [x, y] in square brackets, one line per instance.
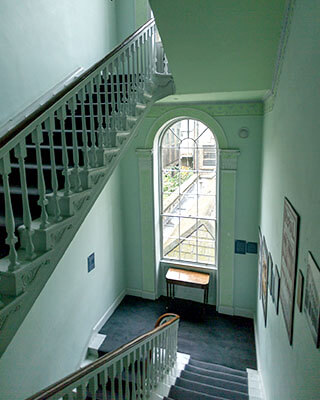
[188, 265]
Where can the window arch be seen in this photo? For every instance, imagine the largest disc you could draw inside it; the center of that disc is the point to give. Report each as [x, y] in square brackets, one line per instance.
[187, 171]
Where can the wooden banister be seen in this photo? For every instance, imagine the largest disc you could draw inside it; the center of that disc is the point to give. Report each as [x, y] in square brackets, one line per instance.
[27, 121]
[82, 372]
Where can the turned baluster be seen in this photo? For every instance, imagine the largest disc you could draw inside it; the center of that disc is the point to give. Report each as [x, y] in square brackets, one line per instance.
[130, 84]
[113, 100]
[11, 239]
[72, 104]
[85, 147]
[93, 149]
[148, 367]
[134, 76]
[61, 115]
[145, 59]
[142, 71]
[118, 92]
[93, 387]
[106, 76]
[37, 139]
[127, 380]
[139, 382]
[100, 119]
[113, 377]
[133, 375]
[124, 97]
[81, 391]
[103, 379]
[144, 357]
[120, 389]
[20, 152]
[54, 179]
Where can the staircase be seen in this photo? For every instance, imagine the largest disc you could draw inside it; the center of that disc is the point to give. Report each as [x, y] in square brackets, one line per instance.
[54, 165]
[197, 380]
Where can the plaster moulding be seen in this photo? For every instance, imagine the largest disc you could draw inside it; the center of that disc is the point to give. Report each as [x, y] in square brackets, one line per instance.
[229, 159]
[285, 32]
[220, 109]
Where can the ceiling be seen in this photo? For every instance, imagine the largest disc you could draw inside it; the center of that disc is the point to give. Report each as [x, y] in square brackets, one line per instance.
[225, 48]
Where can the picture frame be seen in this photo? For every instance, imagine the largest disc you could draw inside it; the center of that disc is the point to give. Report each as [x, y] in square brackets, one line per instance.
[264, 278]
[300, 290]
[289, 255]
[312, 299]
[259, 262]
[270, 274]
[276, 288]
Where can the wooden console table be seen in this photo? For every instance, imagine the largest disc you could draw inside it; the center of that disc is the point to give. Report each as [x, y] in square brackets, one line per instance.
[184, 277]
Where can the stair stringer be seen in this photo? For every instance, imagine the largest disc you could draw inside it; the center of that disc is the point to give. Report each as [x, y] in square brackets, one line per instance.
[29, 280]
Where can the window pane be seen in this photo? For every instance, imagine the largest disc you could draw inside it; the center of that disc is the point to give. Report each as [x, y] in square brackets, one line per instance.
[207, 183]
[206, 206]
[170, 157]
[170, 233]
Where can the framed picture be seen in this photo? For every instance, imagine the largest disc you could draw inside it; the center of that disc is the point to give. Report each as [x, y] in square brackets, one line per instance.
[264, 279]
[276, 288]
[312, 299]
[259, 263]
[300, 290]
[289, 264]
[270, 274]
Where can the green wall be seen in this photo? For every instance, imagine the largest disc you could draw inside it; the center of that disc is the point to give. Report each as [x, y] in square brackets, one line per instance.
[290, 167]
[126, 20]
[52, 338]
[220, 45]
[43, 41]
[247, 196]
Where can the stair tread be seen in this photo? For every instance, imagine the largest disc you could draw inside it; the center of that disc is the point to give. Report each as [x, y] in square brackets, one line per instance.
[217, 367]
[177, 393]
[216, 374]
[211, 390]
[240, 387]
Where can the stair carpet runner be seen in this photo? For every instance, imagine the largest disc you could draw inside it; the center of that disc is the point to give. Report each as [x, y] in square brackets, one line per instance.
[198, 380]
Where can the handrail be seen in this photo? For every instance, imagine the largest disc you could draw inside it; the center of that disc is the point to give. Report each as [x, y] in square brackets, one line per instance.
[82, 372]
[27, 121]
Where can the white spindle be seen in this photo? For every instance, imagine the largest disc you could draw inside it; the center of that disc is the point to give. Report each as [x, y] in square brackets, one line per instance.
[133, 374]
[37, 139]
[144, 357]
[113, 100]
[72, 104]
[148, 365]
[120, 389]
[118, 92]
[93, 387]
[103, 379]
[93, 149]
[85, 147]
[11, 239]
[54, 179]
[81, 391]
[61, 115]
[101, 127]
[113, 375]
[20, 152]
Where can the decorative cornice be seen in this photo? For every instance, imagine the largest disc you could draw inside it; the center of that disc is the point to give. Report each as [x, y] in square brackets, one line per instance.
[228, 159]
[285, 32]
[215, 110]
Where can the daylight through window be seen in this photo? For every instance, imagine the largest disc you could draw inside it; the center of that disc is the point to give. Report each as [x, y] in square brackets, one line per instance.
[188, 157]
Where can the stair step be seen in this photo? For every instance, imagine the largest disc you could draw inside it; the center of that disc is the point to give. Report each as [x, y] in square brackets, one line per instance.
[217, 367]
[216, 374]
[227, 384]
[178, 393]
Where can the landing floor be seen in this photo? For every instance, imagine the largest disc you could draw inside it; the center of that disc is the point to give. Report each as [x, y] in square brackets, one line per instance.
[215, 338]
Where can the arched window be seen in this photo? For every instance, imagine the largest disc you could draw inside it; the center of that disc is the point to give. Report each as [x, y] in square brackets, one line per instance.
[188, 161]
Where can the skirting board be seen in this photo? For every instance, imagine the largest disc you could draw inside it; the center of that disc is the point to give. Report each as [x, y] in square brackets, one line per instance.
[243, 312]
[238, 311]
[109, 312]
[100, 324]
[141, 293]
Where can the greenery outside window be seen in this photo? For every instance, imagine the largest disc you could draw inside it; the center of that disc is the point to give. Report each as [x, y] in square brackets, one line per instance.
[188, 192]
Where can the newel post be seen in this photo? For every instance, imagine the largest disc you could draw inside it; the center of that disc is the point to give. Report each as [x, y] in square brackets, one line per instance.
[228, 164]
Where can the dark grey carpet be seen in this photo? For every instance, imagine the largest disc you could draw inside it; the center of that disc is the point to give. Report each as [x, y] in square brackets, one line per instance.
[211, 337]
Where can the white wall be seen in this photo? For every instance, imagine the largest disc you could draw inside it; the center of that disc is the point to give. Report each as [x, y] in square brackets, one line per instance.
[50, 341]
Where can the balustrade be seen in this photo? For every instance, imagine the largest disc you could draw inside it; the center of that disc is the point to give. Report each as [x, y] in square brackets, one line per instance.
[64, 140]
